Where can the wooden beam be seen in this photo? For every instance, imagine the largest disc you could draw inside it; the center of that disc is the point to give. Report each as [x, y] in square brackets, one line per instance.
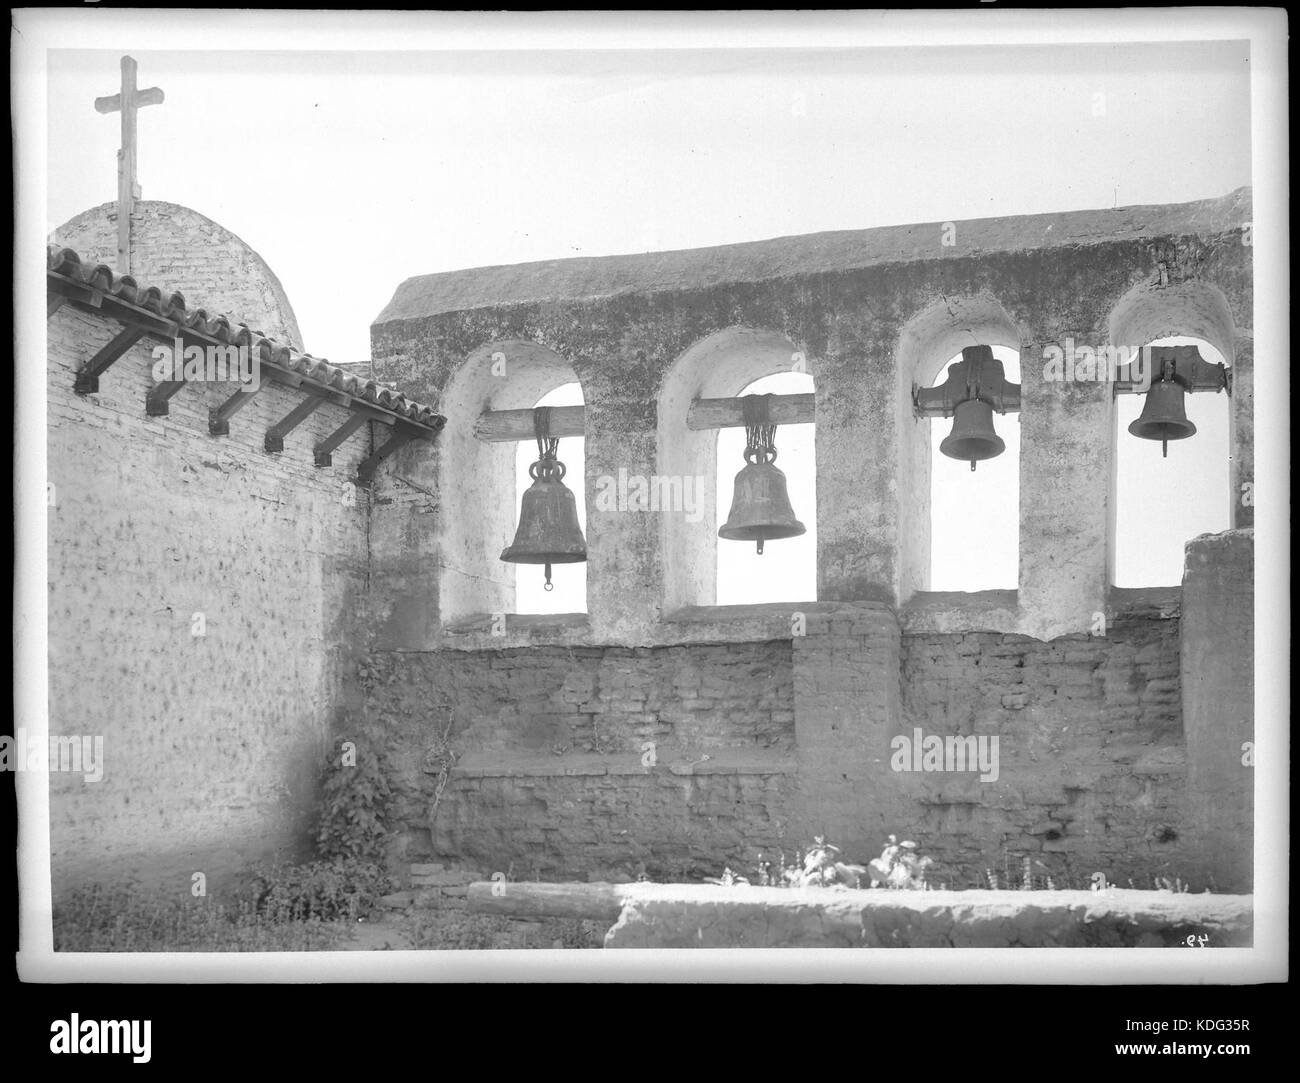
[505, 426]
[730, 414]
[219, 416]
[53, 302]
[158, 402]
[141, 322]
[275, 435]
[323, 451]
[400, 437]
[87, 382]
[73, 291]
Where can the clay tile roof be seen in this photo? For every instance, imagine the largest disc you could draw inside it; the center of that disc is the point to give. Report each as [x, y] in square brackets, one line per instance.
[66, 263]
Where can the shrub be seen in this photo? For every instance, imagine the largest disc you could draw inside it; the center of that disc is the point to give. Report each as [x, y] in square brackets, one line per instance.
[326, 890]
[354, 805]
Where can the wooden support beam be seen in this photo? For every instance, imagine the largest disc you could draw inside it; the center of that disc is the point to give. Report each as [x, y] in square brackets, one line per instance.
[505, 426]
[56, 284]
[140, 322]
[275, 435]
[53, 302]
[157, 402]
[730, 414]
[400, 437]
[219, 416]
[324, 450]
[87, 382]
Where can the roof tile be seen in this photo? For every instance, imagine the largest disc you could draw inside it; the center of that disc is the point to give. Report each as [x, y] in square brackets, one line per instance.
[66, 263]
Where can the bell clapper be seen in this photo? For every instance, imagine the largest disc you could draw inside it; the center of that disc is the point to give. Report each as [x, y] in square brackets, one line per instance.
[972, 466]
[549, 585]
[1164, 449]
[758, 548]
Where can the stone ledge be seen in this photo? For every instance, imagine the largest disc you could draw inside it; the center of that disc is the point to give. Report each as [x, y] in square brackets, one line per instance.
[706, 916]
[1139, 603]
[689, 626]
[474, 633]
[954, 612]
[723, 762]
[771, 917]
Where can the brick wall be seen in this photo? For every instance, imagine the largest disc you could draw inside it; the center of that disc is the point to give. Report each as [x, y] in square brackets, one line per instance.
[176, 248]
[552, 771]
[1092, 774]
[212, 744]
[1092, 763]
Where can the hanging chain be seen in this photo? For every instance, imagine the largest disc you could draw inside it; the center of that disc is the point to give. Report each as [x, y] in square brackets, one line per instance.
[760, 432]
[548, 464]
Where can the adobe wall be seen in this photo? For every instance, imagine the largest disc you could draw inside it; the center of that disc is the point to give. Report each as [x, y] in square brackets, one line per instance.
[758, 746]
[1104, 740]
[868, 313]
[326, 615]
[213, 744]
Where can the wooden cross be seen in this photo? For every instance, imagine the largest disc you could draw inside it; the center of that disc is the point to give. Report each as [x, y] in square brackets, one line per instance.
[128, 101]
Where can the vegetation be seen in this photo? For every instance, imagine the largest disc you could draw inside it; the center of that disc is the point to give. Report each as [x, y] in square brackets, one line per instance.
[901, 866]
[124, 919]
[459, 930]
[284, 907]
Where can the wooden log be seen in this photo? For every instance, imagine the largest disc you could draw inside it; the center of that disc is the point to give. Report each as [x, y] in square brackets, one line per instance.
[730, 414]
[602, 902]
[504, 426]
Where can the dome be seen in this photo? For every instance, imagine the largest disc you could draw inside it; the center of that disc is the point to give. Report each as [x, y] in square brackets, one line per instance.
[176, 248]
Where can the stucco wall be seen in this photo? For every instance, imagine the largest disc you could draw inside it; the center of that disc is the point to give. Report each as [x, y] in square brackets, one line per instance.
[759, 746]
[867, 326]
[212, 744]
[1096, 757]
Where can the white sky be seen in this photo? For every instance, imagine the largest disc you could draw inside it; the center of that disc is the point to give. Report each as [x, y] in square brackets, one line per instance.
[350, 172]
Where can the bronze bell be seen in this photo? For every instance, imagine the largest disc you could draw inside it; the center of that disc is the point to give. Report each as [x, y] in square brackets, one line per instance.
[760, 505]
[548, 531]
[760, 502]
[973, 438]
[1164, 415]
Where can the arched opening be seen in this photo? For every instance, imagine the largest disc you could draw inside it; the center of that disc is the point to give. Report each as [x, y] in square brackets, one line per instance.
[479, 481]
[1161, 503]
[569, 581]
[720, 366]
[975, 515]
[1157, 503]
[931, 342]
[787, 569]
